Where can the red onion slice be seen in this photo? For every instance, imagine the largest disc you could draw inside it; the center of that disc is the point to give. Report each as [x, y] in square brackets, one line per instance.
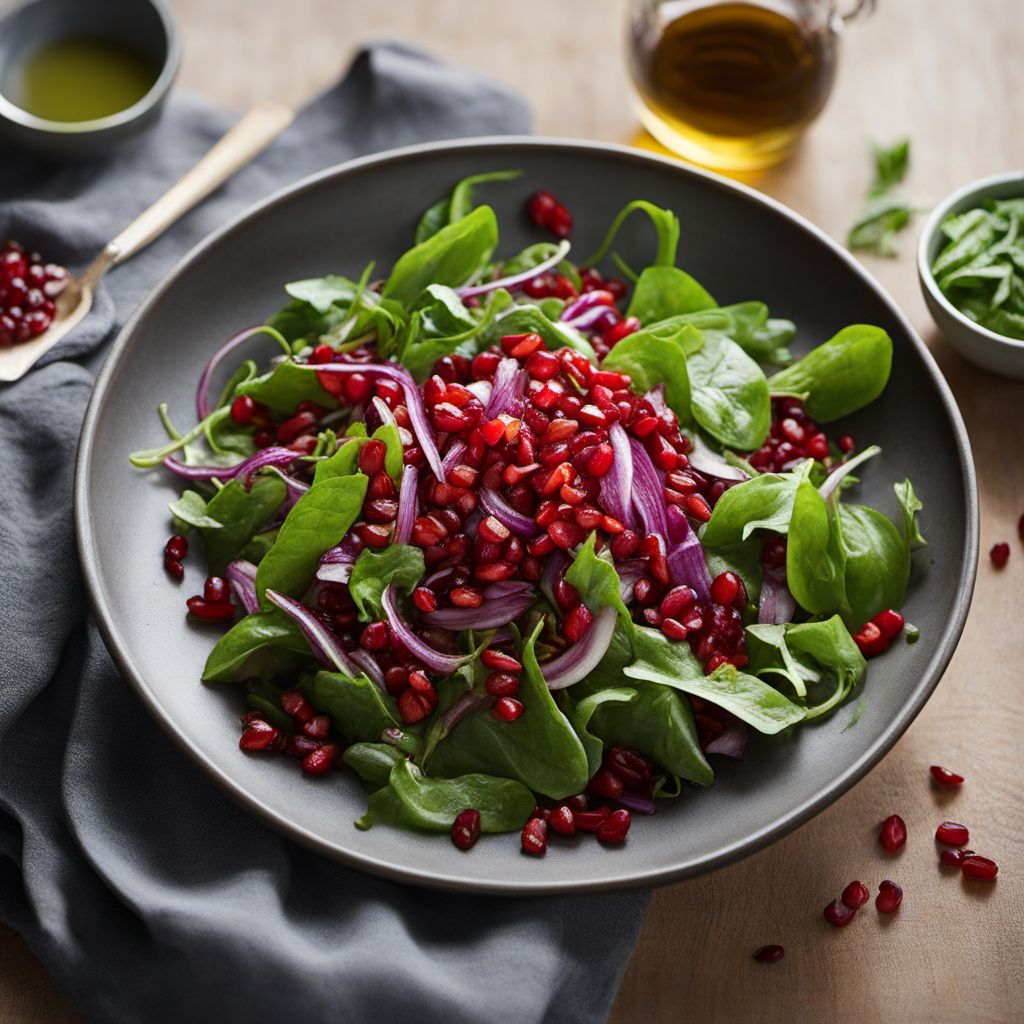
[836, 474]
[732, 741]
[202, 396]
[242, 577]
[508, 390]
[585, 655]
[777, 605]
[516, 279]
[435, 660]
[648, 494]
[494, 612]
[274, 456]
[495, 505]
[636, 802]
[685, 555]
[366, 661]
[617, 483]
[588, 300]
[322, 642]
[406, 505]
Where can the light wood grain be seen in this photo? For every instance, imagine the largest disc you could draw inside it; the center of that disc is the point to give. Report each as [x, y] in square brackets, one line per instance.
[949, 73]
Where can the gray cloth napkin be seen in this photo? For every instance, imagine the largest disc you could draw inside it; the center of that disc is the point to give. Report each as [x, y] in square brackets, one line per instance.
[148, 894]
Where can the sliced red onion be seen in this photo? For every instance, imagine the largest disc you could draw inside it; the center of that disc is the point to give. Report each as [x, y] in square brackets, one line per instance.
[202, 396]
[336, 564]
[497, 506]
[413, 402]
[629, 572]
[469, 702]
[242, 577]
[322, 642]
[636, 802]
[777, 603]
[836, 474]
[588, 300]
[336, 572]
[366, 661]
[553, 570]
[452, 458]
[502, 588]
[656, 398]
[710, 463]
[494, 612]
[274, 456]
[516, 279]
[347, 551]
[617, 483]
[436, 661]
[731, 742]
[508, 390]
[597, 317]
[585, 655]
[648, 494]
[685, 555]
[377, 414]
[406, 505]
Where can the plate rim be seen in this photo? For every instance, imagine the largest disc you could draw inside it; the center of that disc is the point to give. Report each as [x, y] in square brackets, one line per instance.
[605, 882]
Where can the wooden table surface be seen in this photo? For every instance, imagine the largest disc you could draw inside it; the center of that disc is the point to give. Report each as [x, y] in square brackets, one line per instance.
[951, 75]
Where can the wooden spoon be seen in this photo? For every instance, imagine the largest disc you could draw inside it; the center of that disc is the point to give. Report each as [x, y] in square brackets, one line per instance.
[245, 140]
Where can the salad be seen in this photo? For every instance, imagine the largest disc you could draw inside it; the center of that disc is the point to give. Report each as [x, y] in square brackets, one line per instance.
[522, 544]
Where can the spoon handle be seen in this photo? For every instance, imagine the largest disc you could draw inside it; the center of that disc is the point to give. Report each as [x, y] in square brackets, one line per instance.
[249, 137]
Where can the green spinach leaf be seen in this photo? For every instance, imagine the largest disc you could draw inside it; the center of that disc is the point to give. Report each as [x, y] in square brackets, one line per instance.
[815, 562]
[268, 645]
[239, 514]
[665, 291]
[456, 206]
[359, 709]
[399, 564]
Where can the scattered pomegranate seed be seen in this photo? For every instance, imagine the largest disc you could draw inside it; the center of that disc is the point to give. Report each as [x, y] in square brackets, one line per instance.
[507, 709]
[954, 858]
[839, 914]
[615, 827]
[502, 684]
[855, 895]
[871, 640]
[534, 837]
[259, 735]
[318, 727]
[889, 622]
[174, 568]
[562, 821]
[591, 821]
[211, 611]
[769, 954]
[952, 833]
[321, 760]
[1000, 554]
[889, 897]
[466, 828]
[297, 706]
[606, 784]
[979, 867]
[944, 777]
[893, 833]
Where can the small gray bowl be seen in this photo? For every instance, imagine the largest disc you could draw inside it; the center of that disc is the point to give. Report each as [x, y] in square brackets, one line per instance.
[987, 349]
[144, 25]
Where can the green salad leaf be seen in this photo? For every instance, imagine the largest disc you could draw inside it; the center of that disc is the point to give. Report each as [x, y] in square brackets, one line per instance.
[457, 205]
[268, 645]
[359, 708]
[374, 571]
[238, 514]
[664, 291]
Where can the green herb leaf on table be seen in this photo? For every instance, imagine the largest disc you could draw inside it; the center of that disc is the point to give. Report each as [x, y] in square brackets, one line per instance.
[885, 211]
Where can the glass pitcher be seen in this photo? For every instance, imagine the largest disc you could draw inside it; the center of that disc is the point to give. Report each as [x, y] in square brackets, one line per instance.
[732, 84]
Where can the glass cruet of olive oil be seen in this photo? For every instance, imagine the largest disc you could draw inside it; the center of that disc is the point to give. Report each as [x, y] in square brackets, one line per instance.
[732, 84]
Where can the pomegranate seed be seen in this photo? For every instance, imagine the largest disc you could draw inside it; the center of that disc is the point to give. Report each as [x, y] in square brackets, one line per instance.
[597, 461]
[493, 658]
[174, 568]
[299, 745]
[855, 895]
[889, 897]
[374, 535]
[519, 346]
[615, 827]
[299, 424]
[424, 599]
[846, 443]
[216, 589]
[462, 476]
[591, 821]
[297, 706]
[259, 735]
[839, 914]
[577, 622]
[318, 727]
[724, 588]
[944, 777]
[413, 706]
[890, 623]
[893, 833]
[357, 387]
[534, 838]
[561, 819]
[1000, 554]
[560, 222]
[495, 572]
[979, 867]
[466, 597]
[564, 534]
[606, 784]
[540, 206]
[176, 547]
[870, 640]
[954, 858]
[953, 833]
[698, 508]
[466, 828]
[211, 611]
[769, 954]
[621, 330]
[629, 765]
[242, 409]
[625, 545]
[321, 354]
[321, 760]
[375, 637]
[502, 684]
[507, 709]
[493, 530]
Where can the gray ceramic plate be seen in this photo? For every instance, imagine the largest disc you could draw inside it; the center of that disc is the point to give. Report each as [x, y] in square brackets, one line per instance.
[741, 246]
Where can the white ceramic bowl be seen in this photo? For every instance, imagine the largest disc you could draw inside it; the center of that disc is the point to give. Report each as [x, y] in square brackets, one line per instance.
[992, 351]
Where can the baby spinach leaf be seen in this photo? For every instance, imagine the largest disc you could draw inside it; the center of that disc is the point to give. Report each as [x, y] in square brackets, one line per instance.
[769, 654]
[372, 762]
[666, 226]
[765, 502]
[457, 205]
[651, 357]
[324, 292]
[374, 571]
[442, 313]
[581, 713]
[257, 548]
[877, 563]
[239, 513]
[318, 521]
[451, 256]
[910, 505]
[359, 709]
[412, 800]
[540, 749]
[660, 660]
[190, 509]
[729, 393]
[531, 320]
[829, 645]
[762, 338]
[886, 212]
[847, 372]
[265, 644]
[664, 291]
[284, 387]
[815, 562]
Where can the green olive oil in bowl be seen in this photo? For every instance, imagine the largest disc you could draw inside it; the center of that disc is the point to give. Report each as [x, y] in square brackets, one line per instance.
[80, 79]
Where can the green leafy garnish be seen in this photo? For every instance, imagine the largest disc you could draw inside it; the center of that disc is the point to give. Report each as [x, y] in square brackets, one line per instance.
[885, 212]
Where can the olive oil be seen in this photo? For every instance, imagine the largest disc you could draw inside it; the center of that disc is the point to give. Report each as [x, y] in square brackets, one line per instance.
[80, 79]
[731, 85]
